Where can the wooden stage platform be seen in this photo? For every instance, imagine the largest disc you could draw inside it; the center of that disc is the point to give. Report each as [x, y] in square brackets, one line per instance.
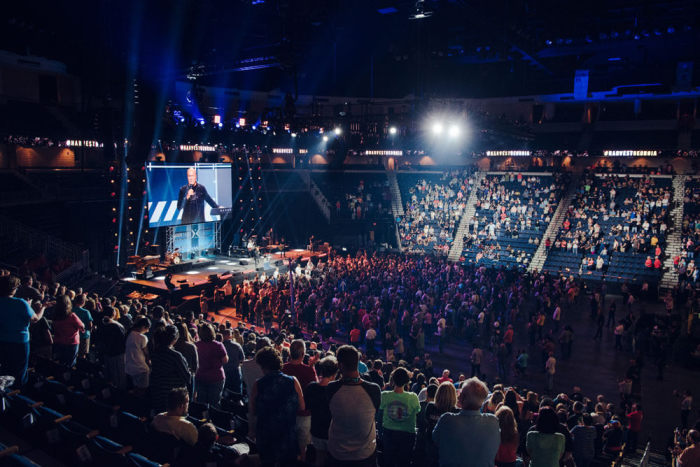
[236, 269]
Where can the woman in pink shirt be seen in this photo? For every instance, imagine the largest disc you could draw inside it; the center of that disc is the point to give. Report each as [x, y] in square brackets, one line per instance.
[66, 332]
[210, 376]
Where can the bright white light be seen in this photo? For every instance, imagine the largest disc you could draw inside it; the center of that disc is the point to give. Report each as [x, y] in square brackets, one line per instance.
[129, 279]
[454, 131]
[294, 135]
[159, 278]
[191, 272]
[437, 128]
[325, 138]
[338, 131]
[212, 268]
[392, 130]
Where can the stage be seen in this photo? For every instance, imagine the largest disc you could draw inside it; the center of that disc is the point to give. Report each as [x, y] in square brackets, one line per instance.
[195, 275]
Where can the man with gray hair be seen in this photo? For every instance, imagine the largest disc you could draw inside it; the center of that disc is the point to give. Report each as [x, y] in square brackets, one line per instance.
[468, 434]
[191, 199]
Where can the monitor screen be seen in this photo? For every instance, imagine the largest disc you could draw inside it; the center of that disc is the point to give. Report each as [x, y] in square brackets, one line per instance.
[186, 193]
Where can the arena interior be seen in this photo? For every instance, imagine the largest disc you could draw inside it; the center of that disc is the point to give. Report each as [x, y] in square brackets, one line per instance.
[349, 233]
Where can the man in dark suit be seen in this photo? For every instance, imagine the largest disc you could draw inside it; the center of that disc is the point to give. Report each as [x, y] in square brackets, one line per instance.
[191, 199]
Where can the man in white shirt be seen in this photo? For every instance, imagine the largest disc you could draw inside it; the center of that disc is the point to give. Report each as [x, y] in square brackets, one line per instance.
[173, 422]
[137, 354]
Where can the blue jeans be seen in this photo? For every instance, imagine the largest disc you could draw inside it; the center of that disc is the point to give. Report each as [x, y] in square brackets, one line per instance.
[65, 354]
[209, 393]
[14, 357]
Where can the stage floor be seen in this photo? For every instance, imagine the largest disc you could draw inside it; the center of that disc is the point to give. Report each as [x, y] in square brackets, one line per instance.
[225, 268]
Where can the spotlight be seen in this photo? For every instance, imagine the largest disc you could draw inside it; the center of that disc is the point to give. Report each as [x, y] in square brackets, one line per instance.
[338, 131]
[325, 138]
[454, 131]
[437, 128]
[392, 130]
[294, 135]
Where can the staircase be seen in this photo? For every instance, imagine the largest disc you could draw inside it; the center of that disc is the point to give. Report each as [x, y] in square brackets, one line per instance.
[463, 228]
[540, 256]
[673, 240]
[323, 204]
[396, 204]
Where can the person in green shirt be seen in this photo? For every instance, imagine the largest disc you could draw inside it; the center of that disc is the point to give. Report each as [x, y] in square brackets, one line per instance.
[544, 444]
[399, 409]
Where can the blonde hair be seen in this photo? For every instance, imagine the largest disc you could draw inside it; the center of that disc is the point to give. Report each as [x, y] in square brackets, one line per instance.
[446, 397]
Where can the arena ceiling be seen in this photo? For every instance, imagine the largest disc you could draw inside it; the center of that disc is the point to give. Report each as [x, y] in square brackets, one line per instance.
[365, 48]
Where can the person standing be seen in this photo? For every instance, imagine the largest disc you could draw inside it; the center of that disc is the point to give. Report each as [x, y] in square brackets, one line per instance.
[276, 397]
[305, 375]
[67, 328]
[86, 318]
[481, 429]
[315, 396]
[353, 405]
[476, 357]
[210, 377]
[686, 407]
[399, 409]
[634, 427]
[169, 368]
[17, 315]
[232, 369]
[584, 435]
[136, 356]
[110, 340]
[551, 369]
[544, 444]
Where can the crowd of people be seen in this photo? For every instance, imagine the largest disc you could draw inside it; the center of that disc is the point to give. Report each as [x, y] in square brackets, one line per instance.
[617, 215]
[304, 389]
[512, 213]
[432, 211]
[690, 239]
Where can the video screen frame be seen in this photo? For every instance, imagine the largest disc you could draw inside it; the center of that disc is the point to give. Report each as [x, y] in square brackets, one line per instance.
[186, 193]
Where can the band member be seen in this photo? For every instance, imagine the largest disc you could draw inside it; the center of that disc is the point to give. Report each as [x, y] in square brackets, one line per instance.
[191, 199]
[169, 282]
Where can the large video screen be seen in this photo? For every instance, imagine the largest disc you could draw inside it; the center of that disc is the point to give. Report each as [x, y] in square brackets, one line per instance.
[187, 193]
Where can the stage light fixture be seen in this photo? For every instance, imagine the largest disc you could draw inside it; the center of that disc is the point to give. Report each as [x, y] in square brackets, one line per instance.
[454, 131]
[325, 138]
[294, 135]
[437, 128]
[338, 131]
[392, 130]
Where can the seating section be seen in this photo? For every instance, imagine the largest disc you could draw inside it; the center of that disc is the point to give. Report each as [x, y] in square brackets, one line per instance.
[433, 206]
[685, 263]
[75, 416]
[615, 229]
[355, 195]
[512, 213]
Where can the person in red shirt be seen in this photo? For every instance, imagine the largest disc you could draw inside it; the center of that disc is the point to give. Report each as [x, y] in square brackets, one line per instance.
[355, 336]
[648, 263]
[305, 374]
[445, 377]
[634, 426]
[657, 263]
[508, 339]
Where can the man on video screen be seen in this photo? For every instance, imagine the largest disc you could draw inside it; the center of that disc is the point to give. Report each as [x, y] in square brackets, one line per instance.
[191, 199]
